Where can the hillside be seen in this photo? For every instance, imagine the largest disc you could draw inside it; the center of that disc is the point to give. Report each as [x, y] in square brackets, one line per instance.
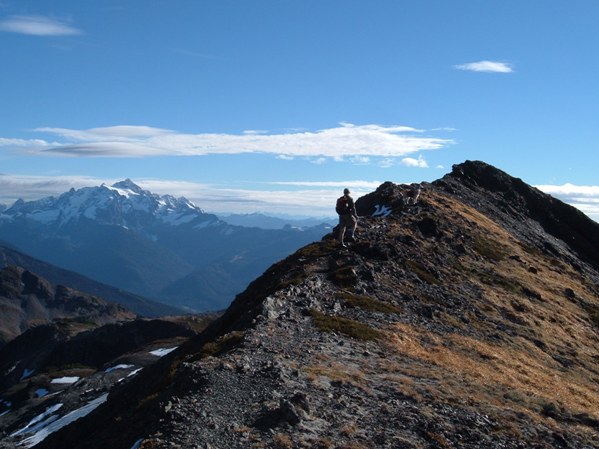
[28, 300]
[468, 320]
[57, 276]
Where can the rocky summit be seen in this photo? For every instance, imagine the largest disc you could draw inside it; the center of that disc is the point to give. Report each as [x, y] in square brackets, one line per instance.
[463, 317]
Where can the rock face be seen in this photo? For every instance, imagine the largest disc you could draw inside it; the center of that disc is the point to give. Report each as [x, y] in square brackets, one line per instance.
[469, 319]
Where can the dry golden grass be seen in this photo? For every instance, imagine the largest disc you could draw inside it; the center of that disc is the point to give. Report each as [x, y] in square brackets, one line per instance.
[485, 372]
[516, 282]
[282, 440]
[337, 372]
[551, 314]
[348, 430]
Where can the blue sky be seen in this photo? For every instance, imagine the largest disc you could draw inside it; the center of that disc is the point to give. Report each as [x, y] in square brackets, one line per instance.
[276, 105]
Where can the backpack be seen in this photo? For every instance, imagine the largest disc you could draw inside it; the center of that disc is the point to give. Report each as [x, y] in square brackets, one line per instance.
[342, 206]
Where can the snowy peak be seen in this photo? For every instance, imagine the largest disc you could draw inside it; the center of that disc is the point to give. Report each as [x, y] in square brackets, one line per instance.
[127, 184]
[123, 204]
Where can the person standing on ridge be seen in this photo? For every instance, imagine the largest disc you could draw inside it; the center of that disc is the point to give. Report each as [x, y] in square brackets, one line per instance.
[348, 217]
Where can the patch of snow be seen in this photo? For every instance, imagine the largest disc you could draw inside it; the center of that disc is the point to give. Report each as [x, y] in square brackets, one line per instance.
[90, 212]
[120, 366]
[381, 211]
[175, 219]
[134, 372]
[43, 418]
[27, 373]
[67, 419]
[41, 392]
[14, 367]
[123, 192]
[163, 351]
[65, 380]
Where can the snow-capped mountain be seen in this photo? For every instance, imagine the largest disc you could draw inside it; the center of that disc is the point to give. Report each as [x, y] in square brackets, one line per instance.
[122, 204]
[157, 246]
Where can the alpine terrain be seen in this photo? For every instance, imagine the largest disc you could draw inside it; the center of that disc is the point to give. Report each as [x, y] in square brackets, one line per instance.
[467, 320]
[10, 257]
[159, 247]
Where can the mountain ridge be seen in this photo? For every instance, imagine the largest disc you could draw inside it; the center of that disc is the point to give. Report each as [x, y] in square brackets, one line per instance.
[445, 325]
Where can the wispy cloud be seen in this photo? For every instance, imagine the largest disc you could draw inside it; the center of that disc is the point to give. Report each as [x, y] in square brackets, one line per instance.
[37, 26]
[345, 141]
[486, 66]
[13, 187]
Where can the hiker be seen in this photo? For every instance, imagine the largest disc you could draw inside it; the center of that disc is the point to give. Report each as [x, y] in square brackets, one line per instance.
[348, 217]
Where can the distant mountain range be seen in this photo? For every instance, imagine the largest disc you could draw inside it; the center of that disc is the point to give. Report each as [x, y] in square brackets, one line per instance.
[258, 220]
[155, 246]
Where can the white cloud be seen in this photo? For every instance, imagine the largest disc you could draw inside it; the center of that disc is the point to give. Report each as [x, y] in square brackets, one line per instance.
[37, 26]
[486, 66]
[36, 144]
[344, 141]
[13, 187]
[411, 162]
[570, 190]
[318, 161]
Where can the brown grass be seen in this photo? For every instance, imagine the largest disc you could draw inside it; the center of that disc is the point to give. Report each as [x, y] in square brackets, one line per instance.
[282, 440]
[337, 372]
[519, 372]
